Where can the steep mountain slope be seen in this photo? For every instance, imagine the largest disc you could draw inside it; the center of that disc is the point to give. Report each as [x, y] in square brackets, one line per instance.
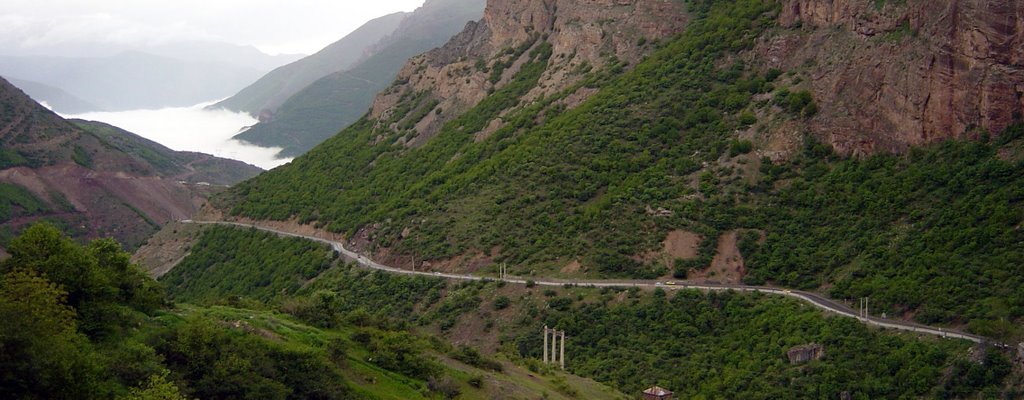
[134, 79]
[263, 97]
[337, 100]
[95, 179]
[524, 142]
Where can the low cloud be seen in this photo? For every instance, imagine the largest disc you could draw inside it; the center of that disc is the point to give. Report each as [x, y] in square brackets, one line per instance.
[192, 129]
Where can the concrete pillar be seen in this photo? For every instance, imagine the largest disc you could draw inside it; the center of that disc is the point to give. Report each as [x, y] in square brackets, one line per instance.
[545, 344]
[554, 345]
[561, 355]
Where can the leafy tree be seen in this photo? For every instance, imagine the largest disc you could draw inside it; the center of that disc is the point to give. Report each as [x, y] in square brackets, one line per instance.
[42, 355]
[103, 286]
[157, 388]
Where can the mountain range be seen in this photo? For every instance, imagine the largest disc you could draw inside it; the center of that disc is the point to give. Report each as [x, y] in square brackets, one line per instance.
[55, 98]
[169, 75]
[604, 160]
[268, 93]
[337, 99]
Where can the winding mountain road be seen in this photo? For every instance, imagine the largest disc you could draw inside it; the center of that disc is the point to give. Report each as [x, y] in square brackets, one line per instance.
[814, 299]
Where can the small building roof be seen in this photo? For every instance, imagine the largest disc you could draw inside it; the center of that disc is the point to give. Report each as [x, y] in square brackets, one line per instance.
[657, 391]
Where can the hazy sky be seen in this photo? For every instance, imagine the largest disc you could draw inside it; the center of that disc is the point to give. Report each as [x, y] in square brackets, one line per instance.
[274, 26]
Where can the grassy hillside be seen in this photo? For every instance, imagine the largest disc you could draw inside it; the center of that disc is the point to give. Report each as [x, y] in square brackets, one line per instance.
[555, 185]
[727, 345]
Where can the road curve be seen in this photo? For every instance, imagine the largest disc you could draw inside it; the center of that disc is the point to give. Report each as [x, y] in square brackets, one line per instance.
[814, 299]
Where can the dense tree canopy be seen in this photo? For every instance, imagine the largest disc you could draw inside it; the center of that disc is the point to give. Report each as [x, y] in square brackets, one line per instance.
[933, 234]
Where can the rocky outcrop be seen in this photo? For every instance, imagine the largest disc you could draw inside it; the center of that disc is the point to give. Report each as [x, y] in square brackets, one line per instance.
[583, 34]
[805, 353]
[888, 76]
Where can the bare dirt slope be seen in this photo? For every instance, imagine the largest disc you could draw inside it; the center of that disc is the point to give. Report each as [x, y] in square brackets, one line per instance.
[95, 180]
[165, 249]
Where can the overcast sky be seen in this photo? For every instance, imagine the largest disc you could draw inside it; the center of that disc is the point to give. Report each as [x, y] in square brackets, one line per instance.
[273, 26]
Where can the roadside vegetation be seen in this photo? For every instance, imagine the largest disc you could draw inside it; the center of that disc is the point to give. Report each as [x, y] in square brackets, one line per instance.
[700, 345]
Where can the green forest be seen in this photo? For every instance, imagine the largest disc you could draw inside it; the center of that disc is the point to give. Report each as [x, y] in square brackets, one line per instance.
[82, 322]
[725, 345]
[700, 345]
[932, 234]
[257, 270]
[935, 233]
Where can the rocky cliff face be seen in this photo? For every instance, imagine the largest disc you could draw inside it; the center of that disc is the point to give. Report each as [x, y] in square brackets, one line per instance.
[487, 54]
[890, 75]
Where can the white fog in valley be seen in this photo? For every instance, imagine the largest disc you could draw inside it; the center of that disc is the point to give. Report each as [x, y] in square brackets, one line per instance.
[193, 129]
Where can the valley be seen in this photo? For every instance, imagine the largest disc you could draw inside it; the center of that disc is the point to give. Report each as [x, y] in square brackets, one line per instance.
[714, 199]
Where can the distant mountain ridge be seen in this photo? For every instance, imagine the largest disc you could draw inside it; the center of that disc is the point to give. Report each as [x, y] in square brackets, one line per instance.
[94, 179]
[273, 89]
[170, 75]
[55, 98]
[337, 100]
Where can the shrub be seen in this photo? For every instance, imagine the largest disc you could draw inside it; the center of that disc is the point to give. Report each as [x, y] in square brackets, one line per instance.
[502, 302]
